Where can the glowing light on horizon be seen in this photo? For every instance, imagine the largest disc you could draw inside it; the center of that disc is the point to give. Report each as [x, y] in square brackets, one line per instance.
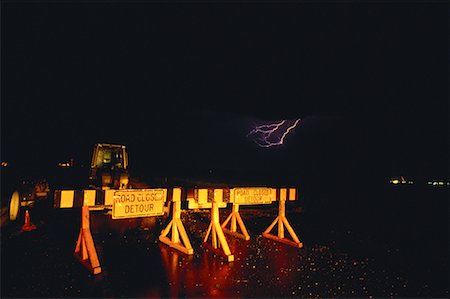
[272, 134]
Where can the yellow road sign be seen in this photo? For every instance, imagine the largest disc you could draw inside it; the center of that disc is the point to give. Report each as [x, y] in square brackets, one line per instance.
[253, 196]
[138, 203]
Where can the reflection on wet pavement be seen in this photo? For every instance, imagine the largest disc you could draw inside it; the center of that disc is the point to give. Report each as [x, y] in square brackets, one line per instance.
[135, 264]
[264, 268]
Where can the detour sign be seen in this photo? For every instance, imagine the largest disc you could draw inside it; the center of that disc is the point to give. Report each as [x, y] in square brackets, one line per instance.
[138, 203]
[253, 196]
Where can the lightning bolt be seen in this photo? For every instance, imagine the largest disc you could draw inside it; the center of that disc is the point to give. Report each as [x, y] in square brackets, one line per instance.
[273, 134]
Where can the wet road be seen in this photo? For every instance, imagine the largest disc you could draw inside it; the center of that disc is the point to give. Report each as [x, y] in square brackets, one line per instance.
[344, 263]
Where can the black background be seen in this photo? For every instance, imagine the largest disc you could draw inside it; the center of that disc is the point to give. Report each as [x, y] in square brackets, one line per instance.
[183, 84]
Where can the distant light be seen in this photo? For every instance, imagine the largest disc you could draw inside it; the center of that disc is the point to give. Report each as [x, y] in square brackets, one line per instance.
[395, 182]
[429, 182]
[4, 164]
[410, 182]
[438, 183]
[64, 164]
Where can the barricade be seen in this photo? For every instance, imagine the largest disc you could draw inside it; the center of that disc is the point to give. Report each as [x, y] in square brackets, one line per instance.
[95, 199]
[215, 198]
[283, 221]
[215, 230]
[235, 218]
[124, 204]
[176, 227]
[251, 196]
[131, 203]
[245, 196]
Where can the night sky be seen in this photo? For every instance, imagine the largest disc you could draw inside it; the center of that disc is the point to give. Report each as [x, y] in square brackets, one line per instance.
[183, 84]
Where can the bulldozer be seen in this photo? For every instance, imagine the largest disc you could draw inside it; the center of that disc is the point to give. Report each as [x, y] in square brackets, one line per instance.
[108, 170]
[109, 167]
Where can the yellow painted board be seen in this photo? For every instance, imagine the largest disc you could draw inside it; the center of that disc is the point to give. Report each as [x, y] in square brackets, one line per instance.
[283, 194]
[109, 197]
[292, 194]
[202, 195]
[67, 197]
[176, 194]
[192, 205]
[273, 193]
[218, 195]
[89, 197]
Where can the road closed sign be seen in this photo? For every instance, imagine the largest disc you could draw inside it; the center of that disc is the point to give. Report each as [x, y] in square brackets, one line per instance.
[138, 203]
[253, 196]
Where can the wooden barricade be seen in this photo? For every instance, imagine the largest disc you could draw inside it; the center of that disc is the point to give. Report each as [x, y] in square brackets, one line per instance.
[245, 196]
[150, 202]
[235, 219]
[176, 227]
[125, 203]
[85, 250]
[215, 230]
[282, 222]
[257, 196]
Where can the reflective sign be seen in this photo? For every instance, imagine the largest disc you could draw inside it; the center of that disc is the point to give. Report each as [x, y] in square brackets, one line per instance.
[138, 203]
[253, 196]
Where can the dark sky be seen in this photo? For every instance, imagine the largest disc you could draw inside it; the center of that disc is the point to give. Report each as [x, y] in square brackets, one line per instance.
[182, 84]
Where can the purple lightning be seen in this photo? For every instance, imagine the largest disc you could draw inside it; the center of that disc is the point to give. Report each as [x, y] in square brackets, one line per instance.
[268, 135]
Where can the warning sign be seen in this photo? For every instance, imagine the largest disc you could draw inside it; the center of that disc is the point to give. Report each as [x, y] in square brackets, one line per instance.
[253, 196]
[138, 203]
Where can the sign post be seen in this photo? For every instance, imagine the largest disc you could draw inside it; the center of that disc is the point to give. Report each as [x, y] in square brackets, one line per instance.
[85, 248]
[245, 196]
[217, 236]
[235, 217]
[176, 227]
[282, 222]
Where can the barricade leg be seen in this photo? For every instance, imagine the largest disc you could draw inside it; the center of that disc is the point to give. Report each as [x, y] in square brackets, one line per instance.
[176, 228]
[85, 250]
[235, 219]
[282, 222]
[217, 236]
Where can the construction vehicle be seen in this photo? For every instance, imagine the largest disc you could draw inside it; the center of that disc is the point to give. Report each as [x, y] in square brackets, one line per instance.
[27, 195]
[108, 170]
[109, 167]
